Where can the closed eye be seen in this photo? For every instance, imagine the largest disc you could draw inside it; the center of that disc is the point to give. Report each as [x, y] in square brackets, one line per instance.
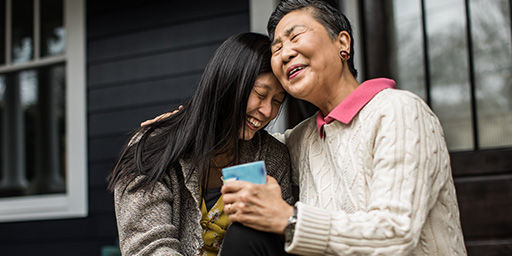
[276, 49]
[260, 95]
[277, 102]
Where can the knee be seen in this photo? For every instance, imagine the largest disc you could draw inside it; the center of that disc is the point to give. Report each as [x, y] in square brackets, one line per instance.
[241, 236]
[240, 239]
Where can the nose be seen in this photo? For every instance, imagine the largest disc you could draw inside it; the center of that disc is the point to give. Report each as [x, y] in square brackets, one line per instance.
[287, 53]
[266, 108]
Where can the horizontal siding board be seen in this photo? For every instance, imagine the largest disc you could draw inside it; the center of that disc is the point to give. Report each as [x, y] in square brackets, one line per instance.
[55, 248]
[485, 206]
[98, 172]
[125, 121]
[102, 201]
[163, 38]
[136, 16]
[489, 247]
[482, 162]
[139, 94]
[106, 148]
[171, 63]
[39, 232]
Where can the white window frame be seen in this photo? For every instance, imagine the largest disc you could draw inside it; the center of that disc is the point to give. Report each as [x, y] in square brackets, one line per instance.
[74, 202]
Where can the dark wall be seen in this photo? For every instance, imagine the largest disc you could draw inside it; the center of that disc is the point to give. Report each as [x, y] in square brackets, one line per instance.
[143, 58]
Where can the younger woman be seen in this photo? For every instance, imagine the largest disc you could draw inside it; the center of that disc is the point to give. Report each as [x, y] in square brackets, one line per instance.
[167, 181]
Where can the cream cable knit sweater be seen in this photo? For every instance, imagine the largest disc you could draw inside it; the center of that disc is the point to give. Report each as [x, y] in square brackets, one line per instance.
[380, 185]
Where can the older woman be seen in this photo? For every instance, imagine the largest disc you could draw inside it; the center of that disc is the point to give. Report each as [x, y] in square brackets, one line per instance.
[372, 166]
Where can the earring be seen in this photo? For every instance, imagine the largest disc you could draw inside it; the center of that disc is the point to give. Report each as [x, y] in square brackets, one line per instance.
[344, 55]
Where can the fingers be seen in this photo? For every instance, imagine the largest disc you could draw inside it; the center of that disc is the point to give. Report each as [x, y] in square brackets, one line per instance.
[239, 208]
[241, 193]
[146, 122]
[162, 116]
[234, 186]
[228, 208]
[247, 216]
[271, 180]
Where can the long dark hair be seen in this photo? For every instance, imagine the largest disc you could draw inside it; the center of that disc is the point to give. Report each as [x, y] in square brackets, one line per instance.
[210, 121]
[331, 18]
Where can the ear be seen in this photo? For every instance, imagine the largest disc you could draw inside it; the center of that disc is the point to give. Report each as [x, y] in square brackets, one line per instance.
[343, 40]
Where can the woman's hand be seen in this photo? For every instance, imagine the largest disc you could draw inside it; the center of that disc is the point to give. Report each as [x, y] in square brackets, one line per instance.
[256, 206]
[162, 116]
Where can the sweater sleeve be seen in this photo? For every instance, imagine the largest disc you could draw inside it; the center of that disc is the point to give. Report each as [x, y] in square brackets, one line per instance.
[410, 166]
[144, 220]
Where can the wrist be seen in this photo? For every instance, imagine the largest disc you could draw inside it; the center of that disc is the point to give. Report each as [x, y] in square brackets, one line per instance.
[283, 221]
[289, 229]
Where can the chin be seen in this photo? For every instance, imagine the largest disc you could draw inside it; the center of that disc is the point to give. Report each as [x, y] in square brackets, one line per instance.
[297, 90]
[248, 136]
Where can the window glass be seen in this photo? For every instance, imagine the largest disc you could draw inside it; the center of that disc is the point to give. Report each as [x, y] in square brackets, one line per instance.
[48, 175]
[52, 28]
[42, 104]
[408, 68]
[491, 32]
[27, 81]
[449, 76]
[22, 31]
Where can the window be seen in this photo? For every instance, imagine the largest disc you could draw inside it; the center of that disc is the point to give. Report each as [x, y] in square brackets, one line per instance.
[457, 55]
[42, 109]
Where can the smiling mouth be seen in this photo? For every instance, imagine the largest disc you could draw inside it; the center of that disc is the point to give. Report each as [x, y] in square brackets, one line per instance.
[254, 123]
[295, 71]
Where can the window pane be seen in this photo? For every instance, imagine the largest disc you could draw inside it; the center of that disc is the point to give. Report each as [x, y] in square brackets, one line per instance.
[450, 89]
[48, 176]
[37, 121]
[408, 62]
[22, 30]
[27, 80]
[14, 182]
[2, 32]
[491, 31]
[52, 28]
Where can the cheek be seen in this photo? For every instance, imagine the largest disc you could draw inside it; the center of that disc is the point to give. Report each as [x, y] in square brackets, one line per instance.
[251, 102]
[275, 111]
[277, 68]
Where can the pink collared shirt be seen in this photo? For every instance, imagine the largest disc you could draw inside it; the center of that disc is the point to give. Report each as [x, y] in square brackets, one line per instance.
[354, 102]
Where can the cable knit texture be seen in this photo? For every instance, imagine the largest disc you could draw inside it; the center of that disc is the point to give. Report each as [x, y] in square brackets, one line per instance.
[380, 185]
[166, 221]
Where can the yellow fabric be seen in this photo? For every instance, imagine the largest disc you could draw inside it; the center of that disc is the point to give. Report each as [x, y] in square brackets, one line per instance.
[214, 224]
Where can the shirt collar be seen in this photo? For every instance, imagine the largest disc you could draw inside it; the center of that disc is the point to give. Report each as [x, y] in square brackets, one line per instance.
[354, 102]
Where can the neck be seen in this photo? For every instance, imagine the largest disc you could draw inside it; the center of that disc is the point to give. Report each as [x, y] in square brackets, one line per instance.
[336, 92]
[222, 159]
[218, 162]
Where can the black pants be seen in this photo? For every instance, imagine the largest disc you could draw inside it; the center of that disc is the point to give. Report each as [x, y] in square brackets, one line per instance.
[241, 240]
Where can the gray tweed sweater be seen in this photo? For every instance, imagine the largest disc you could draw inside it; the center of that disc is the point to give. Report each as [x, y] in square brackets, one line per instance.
[165, 221]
